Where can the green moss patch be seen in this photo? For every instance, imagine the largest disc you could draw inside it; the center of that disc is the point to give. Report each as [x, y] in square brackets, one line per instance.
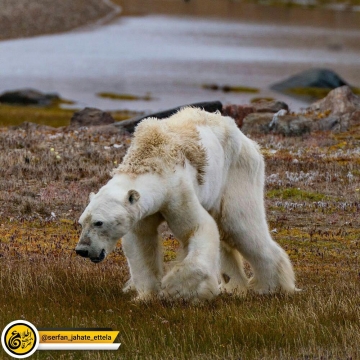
[295, 194]
[124, 97]
[55, 116]
[51, 116]
[315, 92]
[228, 88]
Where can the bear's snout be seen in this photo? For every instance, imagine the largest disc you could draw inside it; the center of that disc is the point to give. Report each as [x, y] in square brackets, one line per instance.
[83, 253]
[101, 257]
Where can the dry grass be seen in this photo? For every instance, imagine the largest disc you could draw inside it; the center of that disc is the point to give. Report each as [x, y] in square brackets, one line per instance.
[313, 211]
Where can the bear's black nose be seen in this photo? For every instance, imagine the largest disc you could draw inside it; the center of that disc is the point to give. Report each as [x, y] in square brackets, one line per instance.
[83, 253]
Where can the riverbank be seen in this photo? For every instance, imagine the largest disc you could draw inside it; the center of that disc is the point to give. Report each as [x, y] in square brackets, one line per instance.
[173, 61]
[314, 13]
[22, 18]
[181, 59]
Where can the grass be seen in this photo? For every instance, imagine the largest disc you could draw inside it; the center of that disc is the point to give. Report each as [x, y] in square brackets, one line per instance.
[42, 281]
[54, 116]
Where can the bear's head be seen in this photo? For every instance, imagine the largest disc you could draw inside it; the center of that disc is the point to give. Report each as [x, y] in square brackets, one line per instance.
[108, 217]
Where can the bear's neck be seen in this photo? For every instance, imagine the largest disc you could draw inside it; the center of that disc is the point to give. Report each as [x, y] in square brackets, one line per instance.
[151, 188]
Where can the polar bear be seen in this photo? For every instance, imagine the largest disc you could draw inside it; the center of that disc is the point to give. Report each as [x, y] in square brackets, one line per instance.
[198, 172]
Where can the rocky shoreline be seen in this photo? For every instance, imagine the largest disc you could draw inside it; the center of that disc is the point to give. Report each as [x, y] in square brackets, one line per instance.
[22, 18]
[338, 112]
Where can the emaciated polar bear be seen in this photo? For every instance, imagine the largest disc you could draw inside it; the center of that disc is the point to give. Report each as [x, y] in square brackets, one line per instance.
[201, 174]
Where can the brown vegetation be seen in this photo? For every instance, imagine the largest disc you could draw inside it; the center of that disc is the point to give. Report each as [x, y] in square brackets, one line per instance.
[313, 208]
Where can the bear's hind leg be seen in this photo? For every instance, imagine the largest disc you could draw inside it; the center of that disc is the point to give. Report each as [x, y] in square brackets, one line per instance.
[243, 218]
[270, 263]
[233, 277]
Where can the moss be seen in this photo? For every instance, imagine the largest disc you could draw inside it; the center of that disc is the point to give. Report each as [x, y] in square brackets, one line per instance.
[51, 116]
[121, 115]
[55, 116]
[315, 92]
[295, 194]
[228, 88]
[243, 89]
[260, 99]
[125, 97]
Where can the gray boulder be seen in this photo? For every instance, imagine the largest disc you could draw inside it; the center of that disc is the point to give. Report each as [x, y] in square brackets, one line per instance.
[287, 125]
[256, 123]
[240, 112]
[91, 117]
[28, 97]
[338, 102]
[337, 112]
[313, 78]
[293, 125]
[272, 106]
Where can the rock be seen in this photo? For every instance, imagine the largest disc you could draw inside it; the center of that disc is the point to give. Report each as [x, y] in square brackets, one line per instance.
[272, 106]
[91, 117]
[313, 78]
[293, 124]
[129, 125]
[331, 123]
[337, 112]
[341, 104]
[256, 123]
[28, 97]
[238, 112]
[338, 102]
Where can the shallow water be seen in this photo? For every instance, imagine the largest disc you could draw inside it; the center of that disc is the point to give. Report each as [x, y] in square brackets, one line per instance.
[171, 57]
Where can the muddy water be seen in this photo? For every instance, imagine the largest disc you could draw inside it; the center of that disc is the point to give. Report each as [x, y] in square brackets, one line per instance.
[171, 57]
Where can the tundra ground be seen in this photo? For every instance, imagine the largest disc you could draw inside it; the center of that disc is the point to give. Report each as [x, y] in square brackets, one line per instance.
[313, 207]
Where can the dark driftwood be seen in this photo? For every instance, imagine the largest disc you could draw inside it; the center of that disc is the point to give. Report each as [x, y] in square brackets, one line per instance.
[129, 125]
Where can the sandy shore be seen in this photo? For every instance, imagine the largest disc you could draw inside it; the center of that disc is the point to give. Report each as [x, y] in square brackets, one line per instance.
[23, 18]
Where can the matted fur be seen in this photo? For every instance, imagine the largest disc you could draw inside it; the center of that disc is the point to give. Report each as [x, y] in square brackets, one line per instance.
[166, 143]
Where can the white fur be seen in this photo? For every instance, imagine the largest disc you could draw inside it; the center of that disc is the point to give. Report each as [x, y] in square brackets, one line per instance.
[227, 207]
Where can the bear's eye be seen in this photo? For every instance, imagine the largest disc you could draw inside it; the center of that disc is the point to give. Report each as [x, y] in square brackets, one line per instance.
[98, 223]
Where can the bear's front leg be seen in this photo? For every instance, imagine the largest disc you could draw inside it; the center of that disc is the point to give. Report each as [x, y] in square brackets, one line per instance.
[142, 249]
[195, 277]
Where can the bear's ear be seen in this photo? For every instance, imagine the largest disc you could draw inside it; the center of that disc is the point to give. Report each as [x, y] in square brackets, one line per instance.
[91, 196]
[133, 196]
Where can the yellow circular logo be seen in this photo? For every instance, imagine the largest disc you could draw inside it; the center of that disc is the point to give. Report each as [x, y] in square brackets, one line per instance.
[20, 339]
